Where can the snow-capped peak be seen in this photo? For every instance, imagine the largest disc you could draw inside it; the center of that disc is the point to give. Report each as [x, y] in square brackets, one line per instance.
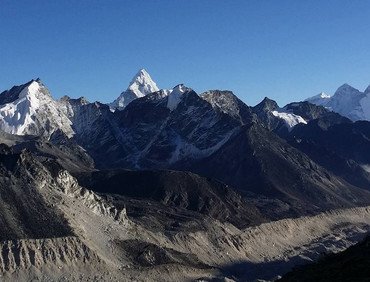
[175, 96]
[181, 88]
[31, 89]
[30, 110]
[347, 101]
[142, 84]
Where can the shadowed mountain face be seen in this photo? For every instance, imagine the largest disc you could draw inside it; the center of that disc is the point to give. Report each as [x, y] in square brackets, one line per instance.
[329, 139]
[283, 120]
[193, 129]
[341, 148]
[308, 111]
[349, 140]
[264, 113]
[179, 190]
[12, 94]
[24, 211]
[148, 134]
[256, 160]
[349, 265]
[60, 149]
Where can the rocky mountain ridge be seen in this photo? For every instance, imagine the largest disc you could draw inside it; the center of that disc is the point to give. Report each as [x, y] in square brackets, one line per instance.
[174, 185]
[215, 135]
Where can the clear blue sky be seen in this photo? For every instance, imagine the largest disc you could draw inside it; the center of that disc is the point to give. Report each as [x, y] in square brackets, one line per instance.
[286, 50]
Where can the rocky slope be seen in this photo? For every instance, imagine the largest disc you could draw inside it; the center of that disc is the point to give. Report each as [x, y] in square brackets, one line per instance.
[25, 213]
[176, 190]
[105, 246]
[257, 161]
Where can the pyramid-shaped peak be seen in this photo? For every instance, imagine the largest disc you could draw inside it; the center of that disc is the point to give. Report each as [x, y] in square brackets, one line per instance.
[346, 88]
[141, 74]
[346, 85]
[142, 84]
[176, 94]
[35, 81]
[268, 100]
[32, 81]
[267, 104]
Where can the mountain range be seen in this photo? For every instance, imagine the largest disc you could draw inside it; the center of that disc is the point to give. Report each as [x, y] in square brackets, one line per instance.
[175, 161]
[347, 101]
[213, 134]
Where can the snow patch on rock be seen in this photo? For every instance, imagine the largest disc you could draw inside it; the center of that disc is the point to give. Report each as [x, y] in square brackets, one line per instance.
[175, 96]
[185, 149]
[290, 119]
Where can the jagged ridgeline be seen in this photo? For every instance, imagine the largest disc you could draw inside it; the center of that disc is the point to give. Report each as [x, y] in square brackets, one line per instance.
[213, 134]
[177, 180]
